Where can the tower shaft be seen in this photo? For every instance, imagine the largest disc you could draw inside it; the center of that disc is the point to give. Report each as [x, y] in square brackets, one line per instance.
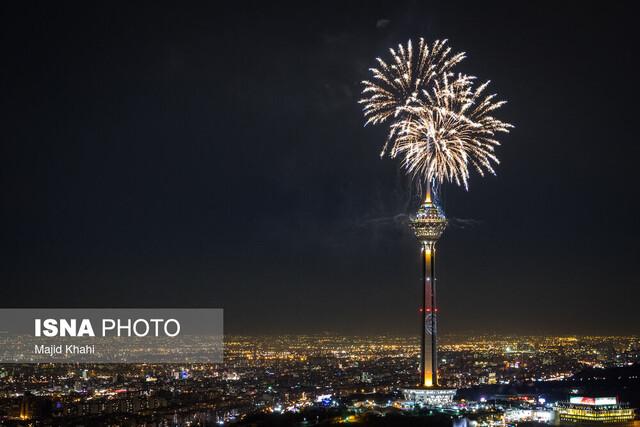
[428, 324]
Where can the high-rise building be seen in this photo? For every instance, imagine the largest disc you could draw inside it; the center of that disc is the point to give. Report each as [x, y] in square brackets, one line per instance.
[428, 225]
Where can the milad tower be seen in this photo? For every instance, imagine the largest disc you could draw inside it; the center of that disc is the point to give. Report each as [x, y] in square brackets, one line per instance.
[428, 225]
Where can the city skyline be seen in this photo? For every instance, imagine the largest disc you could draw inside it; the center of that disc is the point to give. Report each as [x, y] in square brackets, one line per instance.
[215, 157]
[333, 377]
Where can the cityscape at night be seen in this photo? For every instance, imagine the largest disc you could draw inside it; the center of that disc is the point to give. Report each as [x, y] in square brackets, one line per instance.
[502, 380]
[518, 378]
[370, 213]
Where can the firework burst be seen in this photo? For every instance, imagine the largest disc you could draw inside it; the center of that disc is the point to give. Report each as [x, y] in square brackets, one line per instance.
[441, 124]
[453, 132]
[400, 83]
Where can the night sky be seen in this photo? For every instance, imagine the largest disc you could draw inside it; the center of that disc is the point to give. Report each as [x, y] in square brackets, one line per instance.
[215, 156]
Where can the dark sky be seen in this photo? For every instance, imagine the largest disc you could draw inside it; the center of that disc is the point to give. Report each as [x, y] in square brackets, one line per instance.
[214, 156]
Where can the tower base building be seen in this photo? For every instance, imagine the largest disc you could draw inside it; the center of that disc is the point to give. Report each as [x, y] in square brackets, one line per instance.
[429, 396]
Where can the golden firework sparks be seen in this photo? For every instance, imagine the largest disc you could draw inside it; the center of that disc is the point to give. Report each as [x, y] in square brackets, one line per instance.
[401, 82]
[452, 132]
[441, 124]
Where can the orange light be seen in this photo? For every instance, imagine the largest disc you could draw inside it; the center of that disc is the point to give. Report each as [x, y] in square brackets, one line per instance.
[427, 255]
[427, 381]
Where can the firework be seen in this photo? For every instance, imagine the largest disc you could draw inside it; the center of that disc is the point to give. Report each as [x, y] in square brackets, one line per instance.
[400, 84]
[441, 123]
[452, 132]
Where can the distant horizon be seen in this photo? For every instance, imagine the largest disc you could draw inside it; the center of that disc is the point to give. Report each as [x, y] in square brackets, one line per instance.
[417, 338]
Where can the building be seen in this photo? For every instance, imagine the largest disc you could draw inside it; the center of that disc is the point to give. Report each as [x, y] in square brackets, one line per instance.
[594, 410]
[428, 226]
[429, 396]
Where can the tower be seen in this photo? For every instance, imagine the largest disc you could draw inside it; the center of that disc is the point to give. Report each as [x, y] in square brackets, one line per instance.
[428, 225]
